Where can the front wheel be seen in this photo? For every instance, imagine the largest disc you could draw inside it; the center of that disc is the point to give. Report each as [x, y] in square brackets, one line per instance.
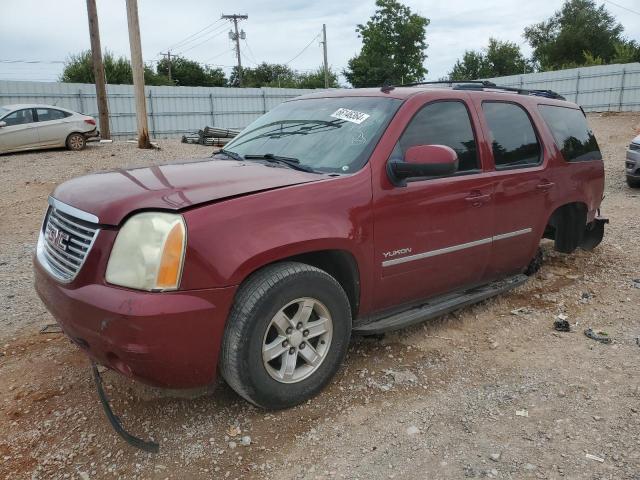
[76, 142]
[286, 336]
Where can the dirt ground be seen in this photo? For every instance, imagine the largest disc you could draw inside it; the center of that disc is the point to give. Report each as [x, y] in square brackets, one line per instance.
[491, 391]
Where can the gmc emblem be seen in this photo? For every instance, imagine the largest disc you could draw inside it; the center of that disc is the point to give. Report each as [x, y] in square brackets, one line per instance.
[57, 239]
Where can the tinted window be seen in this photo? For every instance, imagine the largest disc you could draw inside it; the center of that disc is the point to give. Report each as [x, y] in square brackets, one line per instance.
[444, 123]
[46, 114]
[19, 117]
[571, 133]
[514, 141]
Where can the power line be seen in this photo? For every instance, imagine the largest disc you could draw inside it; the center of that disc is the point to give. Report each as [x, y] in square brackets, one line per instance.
[303, 50]
[215, 34]
[218, 55]
[251, 52]
[191, 38]
[32, 61]
[623, 7]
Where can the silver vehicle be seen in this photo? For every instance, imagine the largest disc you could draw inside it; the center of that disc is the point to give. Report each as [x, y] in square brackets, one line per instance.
[632, 164]
[29, 127]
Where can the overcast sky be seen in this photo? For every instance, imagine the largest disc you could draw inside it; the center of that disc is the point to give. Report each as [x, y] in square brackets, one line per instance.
[276, 31]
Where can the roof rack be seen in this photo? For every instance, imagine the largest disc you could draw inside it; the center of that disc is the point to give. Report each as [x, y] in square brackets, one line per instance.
[482, 84]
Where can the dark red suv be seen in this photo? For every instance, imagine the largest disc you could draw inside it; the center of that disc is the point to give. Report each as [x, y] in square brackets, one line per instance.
[337, 212]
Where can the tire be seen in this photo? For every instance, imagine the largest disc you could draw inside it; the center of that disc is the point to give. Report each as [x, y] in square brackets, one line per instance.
[285, 288]
[76, 142]
[633, 182]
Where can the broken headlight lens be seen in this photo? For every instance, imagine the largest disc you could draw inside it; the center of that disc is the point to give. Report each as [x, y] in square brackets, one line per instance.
[148, 253]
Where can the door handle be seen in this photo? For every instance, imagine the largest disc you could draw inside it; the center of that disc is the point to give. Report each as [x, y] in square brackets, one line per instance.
[545, 185]
[477, 198]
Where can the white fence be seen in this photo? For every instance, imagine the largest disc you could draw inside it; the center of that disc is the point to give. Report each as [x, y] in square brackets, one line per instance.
[172, 111]
[603, 88]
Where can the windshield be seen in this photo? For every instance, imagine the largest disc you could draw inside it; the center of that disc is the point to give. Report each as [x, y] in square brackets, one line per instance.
[3, 111]
[333, 135]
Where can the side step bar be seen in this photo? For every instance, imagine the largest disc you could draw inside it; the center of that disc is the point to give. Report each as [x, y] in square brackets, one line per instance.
[438, 306]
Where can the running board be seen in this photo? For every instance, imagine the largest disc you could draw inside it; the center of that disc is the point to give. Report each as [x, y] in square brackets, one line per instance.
[439, 306]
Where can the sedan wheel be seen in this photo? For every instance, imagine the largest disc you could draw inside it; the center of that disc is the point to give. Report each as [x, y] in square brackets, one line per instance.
[76, 142]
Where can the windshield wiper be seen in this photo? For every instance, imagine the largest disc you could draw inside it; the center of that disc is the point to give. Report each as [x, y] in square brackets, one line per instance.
[288, 161]
[230, 154]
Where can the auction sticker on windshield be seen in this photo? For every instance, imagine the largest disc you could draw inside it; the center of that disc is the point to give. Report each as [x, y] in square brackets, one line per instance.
[350, 115]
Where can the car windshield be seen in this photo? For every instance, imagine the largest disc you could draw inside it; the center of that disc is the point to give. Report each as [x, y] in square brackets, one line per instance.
[332, 135]
[3, 111]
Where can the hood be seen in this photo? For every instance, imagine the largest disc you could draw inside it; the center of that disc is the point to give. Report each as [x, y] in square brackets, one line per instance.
[111, 196]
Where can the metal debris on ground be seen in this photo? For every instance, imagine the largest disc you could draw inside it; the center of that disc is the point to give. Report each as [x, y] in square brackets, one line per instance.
[210, 136]
[522, 413]
[636, 282]
[51, 328]
[599, 336]
[561, 324]
[521, 311]
[593, 457]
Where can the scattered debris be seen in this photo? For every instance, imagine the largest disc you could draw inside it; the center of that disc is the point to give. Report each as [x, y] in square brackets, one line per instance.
[636, 282]
[245, 441]
[593, 457]
[413, 430]
[521, 311]
[599, 336]
[211, 136]
[522, 413]
[561, 324]
[403, 377]
[233, 431]
[495, 457]
[51, 328]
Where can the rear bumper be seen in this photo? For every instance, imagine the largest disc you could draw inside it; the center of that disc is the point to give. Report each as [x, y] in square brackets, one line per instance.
[169, 339]
[93, 133]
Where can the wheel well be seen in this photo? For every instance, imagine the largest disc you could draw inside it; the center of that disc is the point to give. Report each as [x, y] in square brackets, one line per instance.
[566, 226]
[341, 265]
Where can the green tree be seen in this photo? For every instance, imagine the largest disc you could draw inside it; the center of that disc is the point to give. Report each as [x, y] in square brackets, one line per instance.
[393, 46]
[579, 31]
[498, 59]
[265, 75]
[188, 73]
[79, 69]
[315, 79]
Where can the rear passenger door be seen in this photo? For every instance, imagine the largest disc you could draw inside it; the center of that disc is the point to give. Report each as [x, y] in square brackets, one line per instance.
[521, 184]
[52, 126]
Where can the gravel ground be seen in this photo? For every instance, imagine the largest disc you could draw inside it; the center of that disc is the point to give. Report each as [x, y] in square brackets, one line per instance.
[491, 391]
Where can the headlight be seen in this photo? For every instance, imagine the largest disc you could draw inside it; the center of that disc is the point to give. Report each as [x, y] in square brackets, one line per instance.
[148, 252]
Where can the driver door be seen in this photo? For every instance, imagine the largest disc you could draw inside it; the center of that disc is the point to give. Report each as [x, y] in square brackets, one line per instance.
[434, 235]
[20, 131]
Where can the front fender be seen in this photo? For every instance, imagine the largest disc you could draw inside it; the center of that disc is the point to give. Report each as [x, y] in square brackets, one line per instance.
[229, 240]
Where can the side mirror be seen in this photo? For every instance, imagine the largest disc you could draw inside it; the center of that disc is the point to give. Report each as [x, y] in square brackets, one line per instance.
[3, 124]
[421, 161]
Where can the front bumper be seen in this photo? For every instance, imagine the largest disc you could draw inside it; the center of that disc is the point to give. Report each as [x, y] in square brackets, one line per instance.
[169, 339]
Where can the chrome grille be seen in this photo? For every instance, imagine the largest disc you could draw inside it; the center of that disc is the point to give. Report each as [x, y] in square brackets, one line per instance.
[65, 242]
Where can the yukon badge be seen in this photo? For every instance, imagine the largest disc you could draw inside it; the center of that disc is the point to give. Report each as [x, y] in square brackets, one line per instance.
[395, 253]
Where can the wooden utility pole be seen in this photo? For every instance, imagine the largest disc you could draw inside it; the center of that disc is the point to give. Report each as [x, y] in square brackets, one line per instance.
[236, 37]
[168, 55]
[98, 70]
[324, 48]
[137, 68]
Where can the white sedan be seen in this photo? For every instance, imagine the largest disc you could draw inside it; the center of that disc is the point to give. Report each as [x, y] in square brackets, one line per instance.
[30, 127]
